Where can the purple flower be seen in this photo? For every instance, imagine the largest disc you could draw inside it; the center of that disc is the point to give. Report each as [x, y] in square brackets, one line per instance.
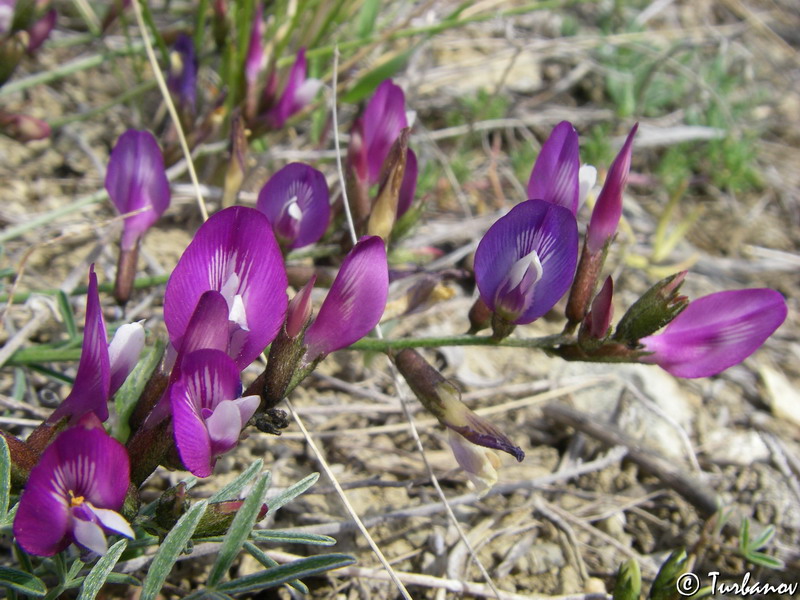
[136, 181]
[73, 494]
[297, 92]
[92, 386]
[608, 210]
[525, 262]
[23, 128]
[384, 118]
[254, 61]
[233, 253]
[554, 177]
[716, 332]
[182, 78]
[598, 319]
[355, 302]
[295, 200]
[103, 367]
[207, 409]
[41, 29]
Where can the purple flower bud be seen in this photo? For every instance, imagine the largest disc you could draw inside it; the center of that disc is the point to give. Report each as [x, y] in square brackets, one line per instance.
[409, 185]
[182, 77]
[136, 181]
[6, 15]
[233, 253]
[297, 92]
[608, 210]
[123, 353]
[295, 200]
[384, 119]
[23, 128]
[598, 319]
[554, 177]
[73, 494]
[355, 302]
[90, 391]
[299, 312]
[525, 262]
[207, 410]
[716, 332]
[41, 29]
[254, 61]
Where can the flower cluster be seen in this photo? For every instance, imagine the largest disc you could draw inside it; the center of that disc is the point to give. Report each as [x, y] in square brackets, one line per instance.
[227, 301]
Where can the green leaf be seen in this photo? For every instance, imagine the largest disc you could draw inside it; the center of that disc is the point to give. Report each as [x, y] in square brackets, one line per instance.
[239, 531]
[65, 309]
[291, 493]
[765, 560]
[305, 567]
[763, 539]
[101, 570]
[291, 537]
[269, 562]
[234, 488]
[170, 550]
[22, 582]
[5, 478]
[367, 16]
[629, 581]
[128, 395]
[664, 585]
[367, 84]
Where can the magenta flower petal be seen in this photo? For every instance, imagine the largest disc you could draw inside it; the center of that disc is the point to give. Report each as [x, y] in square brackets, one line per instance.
[384, 118]
[409, 185]
[41, 30]
[254, 61]
[355, 302]
[554, 177]
[93, 380]
[208, 326]
[191, 435]
[295, 200]
[83, 469]
[716, 332]
[297, 92]
[608, 209]
[234, 253]
[136, 180]
[526, 261]
[204, 414]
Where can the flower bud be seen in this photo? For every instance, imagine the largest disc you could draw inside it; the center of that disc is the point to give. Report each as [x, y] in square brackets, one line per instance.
[629, 581]
[237, 163]
[598, 319]
[218, 518]
[23, 128]
[384, 211]
[658, 306]
[608, 210]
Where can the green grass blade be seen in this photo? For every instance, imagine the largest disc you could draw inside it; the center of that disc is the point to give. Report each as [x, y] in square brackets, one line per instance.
[66, 313]
[291, 493]
[170, 550]
[266, 561]
[5, 477]
[98, 576]
[128, 395]
[22, 582]
[367, 16]
[305, 567]
[239, 531]
[234, 488]
[291, 537]
[367, 84]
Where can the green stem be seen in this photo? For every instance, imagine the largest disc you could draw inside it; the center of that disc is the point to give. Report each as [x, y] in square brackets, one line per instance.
[124, 97]
[138, 284]
[40, 354]
[80, 64]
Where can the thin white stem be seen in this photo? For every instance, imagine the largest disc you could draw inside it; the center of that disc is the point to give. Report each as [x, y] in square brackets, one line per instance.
[349, 507]
[392, 368]
[162, 86]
